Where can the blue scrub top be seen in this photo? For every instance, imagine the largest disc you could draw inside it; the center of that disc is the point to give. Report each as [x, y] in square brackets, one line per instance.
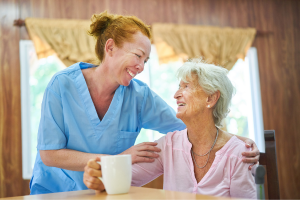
[69, 121]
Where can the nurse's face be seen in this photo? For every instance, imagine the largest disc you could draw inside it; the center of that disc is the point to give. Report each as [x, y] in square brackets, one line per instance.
[131, 58]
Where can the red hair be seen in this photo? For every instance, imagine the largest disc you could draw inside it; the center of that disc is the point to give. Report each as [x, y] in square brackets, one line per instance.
[120, 28]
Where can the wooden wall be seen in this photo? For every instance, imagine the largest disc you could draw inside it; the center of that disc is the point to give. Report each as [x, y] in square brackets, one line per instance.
[278, 57]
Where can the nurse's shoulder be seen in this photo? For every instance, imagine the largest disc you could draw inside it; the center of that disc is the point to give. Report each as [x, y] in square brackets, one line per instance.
[65, 77]
[138, 84]
[137, 88]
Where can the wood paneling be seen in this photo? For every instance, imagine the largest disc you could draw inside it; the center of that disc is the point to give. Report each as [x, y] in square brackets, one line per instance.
[10, 108]
[278, 57]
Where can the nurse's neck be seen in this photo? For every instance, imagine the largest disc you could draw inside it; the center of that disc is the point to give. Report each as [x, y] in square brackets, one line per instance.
[99, 81]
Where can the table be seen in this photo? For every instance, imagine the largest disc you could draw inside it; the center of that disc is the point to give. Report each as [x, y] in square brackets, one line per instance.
[138, 193]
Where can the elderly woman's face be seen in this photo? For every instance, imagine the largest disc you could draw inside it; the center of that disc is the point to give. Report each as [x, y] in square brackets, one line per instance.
[191, 99]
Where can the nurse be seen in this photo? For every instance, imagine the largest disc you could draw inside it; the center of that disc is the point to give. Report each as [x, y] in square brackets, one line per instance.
[91, 110]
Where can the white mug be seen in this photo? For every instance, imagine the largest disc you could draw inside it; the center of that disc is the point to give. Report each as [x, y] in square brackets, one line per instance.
[116, 173]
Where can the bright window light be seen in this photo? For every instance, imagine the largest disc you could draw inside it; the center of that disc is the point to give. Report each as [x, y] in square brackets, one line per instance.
[245, 117]
[35, 75]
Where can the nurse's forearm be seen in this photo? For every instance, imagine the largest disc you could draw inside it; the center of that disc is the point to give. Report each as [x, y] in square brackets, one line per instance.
[67, 158]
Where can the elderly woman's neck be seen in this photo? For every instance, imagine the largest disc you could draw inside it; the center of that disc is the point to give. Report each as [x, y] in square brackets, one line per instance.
[201, 132]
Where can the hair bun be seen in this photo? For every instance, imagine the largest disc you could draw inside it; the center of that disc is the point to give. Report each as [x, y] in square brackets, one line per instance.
[100, 22]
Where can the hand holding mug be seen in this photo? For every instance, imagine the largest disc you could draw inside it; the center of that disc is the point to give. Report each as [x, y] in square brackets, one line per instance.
[91, 173]
[115, 173]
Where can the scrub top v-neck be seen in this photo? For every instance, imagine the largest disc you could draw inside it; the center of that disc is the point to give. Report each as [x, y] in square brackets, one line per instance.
[69, 121]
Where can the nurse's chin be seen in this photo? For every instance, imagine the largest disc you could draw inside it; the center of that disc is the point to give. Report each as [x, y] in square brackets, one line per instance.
[126, 83]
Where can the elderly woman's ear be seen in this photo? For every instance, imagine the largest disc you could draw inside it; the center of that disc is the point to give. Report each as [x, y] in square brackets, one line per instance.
[212, 99]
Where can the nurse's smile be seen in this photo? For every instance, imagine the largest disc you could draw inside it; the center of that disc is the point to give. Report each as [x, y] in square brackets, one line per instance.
[131, 73]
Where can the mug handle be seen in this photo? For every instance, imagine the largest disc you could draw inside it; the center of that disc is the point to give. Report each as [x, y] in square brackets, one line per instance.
[101, 177]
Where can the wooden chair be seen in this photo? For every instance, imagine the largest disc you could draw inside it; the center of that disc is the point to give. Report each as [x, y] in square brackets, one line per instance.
[270, 161]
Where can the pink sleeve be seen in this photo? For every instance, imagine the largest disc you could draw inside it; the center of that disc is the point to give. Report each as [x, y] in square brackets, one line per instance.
[242, 184]
[143, 173]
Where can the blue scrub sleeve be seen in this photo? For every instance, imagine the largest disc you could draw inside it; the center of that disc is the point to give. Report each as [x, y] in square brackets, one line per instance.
[51, 129]
[157, 115]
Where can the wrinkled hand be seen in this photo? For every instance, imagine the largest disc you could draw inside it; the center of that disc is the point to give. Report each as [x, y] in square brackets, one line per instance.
[143, 152]
[251, 156]
[91, 173]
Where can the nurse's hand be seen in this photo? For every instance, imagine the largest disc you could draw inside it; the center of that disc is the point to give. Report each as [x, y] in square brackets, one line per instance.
[143, 152]
[91, 173]
[253, 155]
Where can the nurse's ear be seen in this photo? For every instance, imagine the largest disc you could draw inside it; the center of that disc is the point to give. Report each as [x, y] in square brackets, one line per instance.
[110, 46]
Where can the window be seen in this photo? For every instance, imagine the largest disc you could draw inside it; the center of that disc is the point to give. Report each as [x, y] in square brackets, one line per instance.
[35, 75]
[163, 81]
[245, 117]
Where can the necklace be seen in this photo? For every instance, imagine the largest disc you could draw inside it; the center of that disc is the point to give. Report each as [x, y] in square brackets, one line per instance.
[206, 153]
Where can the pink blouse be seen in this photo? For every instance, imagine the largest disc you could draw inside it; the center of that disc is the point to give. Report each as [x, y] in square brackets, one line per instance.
[228, 176]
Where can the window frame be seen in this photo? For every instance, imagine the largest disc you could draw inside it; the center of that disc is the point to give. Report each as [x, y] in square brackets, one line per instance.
[25, 108]
[255, 120]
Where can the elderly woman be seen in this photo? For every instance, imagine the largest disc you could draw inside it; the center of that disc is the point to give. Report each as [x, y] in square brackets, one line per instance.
[201, 158]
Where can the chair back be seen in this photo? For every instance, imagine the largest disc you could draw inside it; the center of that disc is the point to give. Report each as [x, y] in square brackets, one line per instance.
[269, 159]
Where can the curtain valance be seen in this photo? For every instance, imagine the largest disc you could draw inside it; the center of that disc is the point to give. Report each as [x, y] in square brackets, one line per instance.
[70, 41]
[67, 38]
[222, 46]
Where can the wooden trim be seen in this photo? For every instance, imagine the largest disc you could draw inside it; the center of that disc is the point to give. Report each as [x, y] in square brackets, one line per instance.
[21, 22]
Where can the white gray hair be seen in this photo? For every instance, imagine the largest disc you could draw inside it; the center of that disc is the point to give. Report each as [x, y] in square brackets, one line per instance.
[211, 78]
